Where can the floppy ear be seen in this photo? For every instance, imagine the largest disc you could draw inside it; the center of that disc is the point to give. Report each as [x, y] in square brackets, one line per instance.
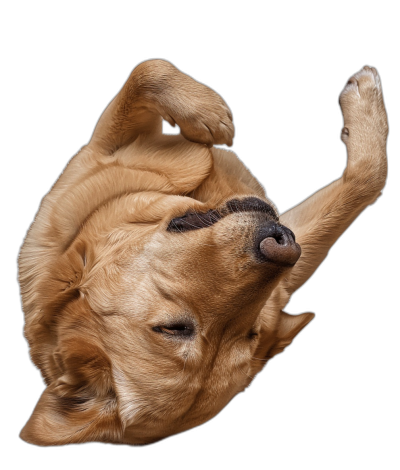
[275, 339]
[81, 405]
[289, 327]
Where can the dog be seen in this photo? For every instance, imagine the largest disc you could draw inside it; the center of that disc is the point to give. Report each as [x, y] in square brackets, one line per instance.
[155, 274]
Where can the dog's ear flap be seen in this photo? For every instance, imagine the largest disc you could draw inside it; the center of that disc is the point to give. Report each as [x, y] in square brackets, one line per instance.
[289, 327]
[81, 405]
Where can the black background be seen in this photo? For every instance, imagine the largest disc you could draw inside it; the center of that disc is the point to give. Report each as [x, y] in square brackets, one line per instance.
[330, 395]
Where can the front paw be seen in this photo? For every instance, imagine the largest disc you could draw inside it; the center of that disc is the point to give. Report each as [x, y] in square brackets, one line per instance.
[202, 115]
[209, 124]
[363, 109]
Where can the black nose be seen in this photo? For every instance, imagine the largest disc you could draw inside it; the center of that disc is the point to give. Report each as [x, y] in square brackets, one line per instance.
[277, 244]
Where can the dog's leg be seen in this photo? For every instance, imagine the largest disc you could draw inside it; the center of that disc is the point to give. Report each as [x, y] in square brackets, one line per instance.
[321, 219]
[101, 171]
[156, 90]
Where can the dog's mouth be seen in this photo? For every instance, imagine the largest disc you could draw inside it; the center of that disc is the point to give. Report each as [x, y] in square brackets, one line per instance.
[273, 242]
[198, 220]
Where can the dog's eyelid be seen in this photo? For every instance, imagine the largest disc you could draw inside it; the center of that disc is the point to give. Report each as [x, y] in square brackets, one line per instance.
[252, 334]
[178, 329]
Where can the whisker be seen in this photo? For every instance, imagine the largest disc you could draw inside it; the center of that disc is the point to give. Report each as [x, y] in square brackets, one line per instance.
[197, 215]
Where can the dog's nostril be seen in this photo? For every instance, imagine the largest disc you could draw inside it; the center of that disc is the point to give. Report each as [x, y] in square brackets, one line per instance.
[279, 238]
[285, 236]
[282, 235]
[291, 234]
[277, 244]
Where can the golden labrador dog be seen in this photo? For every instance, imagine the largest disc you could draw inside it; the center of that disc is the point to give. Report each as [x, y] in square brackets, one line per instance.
[155, 274]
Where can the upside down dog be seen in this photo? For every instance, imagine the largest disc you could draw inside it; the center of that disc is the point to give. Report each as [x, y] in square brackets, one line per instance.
[157, 270]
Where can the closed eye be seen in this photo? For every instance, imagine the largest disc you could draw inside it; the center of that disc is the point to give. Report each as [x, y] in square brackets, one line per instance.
[252, 335]
[176, 329]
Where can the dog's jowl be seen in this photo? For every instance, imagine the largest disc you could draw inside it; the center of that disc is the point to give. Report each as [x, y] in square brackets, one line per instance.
[155, 274]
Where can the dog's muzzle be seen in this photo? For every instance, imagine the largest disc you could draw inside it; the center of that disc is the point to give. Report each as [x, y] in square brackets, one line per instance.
[274, 243]
[277, 244]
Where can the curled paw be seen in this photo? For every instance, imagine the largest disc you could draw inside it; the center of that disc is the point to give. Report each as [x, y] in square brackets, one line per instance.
[200, 112]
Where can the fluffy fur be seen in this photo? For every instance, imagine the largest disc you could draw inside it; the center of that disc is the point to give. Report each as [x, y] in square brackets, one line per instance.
[104, 282]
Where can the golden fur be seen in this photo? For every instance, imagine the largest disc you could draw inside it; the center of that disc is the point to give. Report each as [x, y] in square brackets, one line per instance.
[103, 279]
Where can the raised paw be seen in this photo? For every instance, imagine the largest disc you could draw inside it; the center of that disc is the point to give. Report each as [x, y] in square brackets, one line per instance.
[200, 112]
[210, 124]
[363, 109]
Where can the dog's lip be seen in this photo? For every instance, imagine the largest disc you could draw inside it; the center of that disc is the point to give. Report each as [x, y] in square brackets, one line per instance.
[197, 220]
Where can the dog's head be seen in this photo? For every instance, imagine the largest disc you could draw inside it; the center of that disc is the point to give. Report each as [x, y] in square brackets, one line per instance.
[157, 321]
